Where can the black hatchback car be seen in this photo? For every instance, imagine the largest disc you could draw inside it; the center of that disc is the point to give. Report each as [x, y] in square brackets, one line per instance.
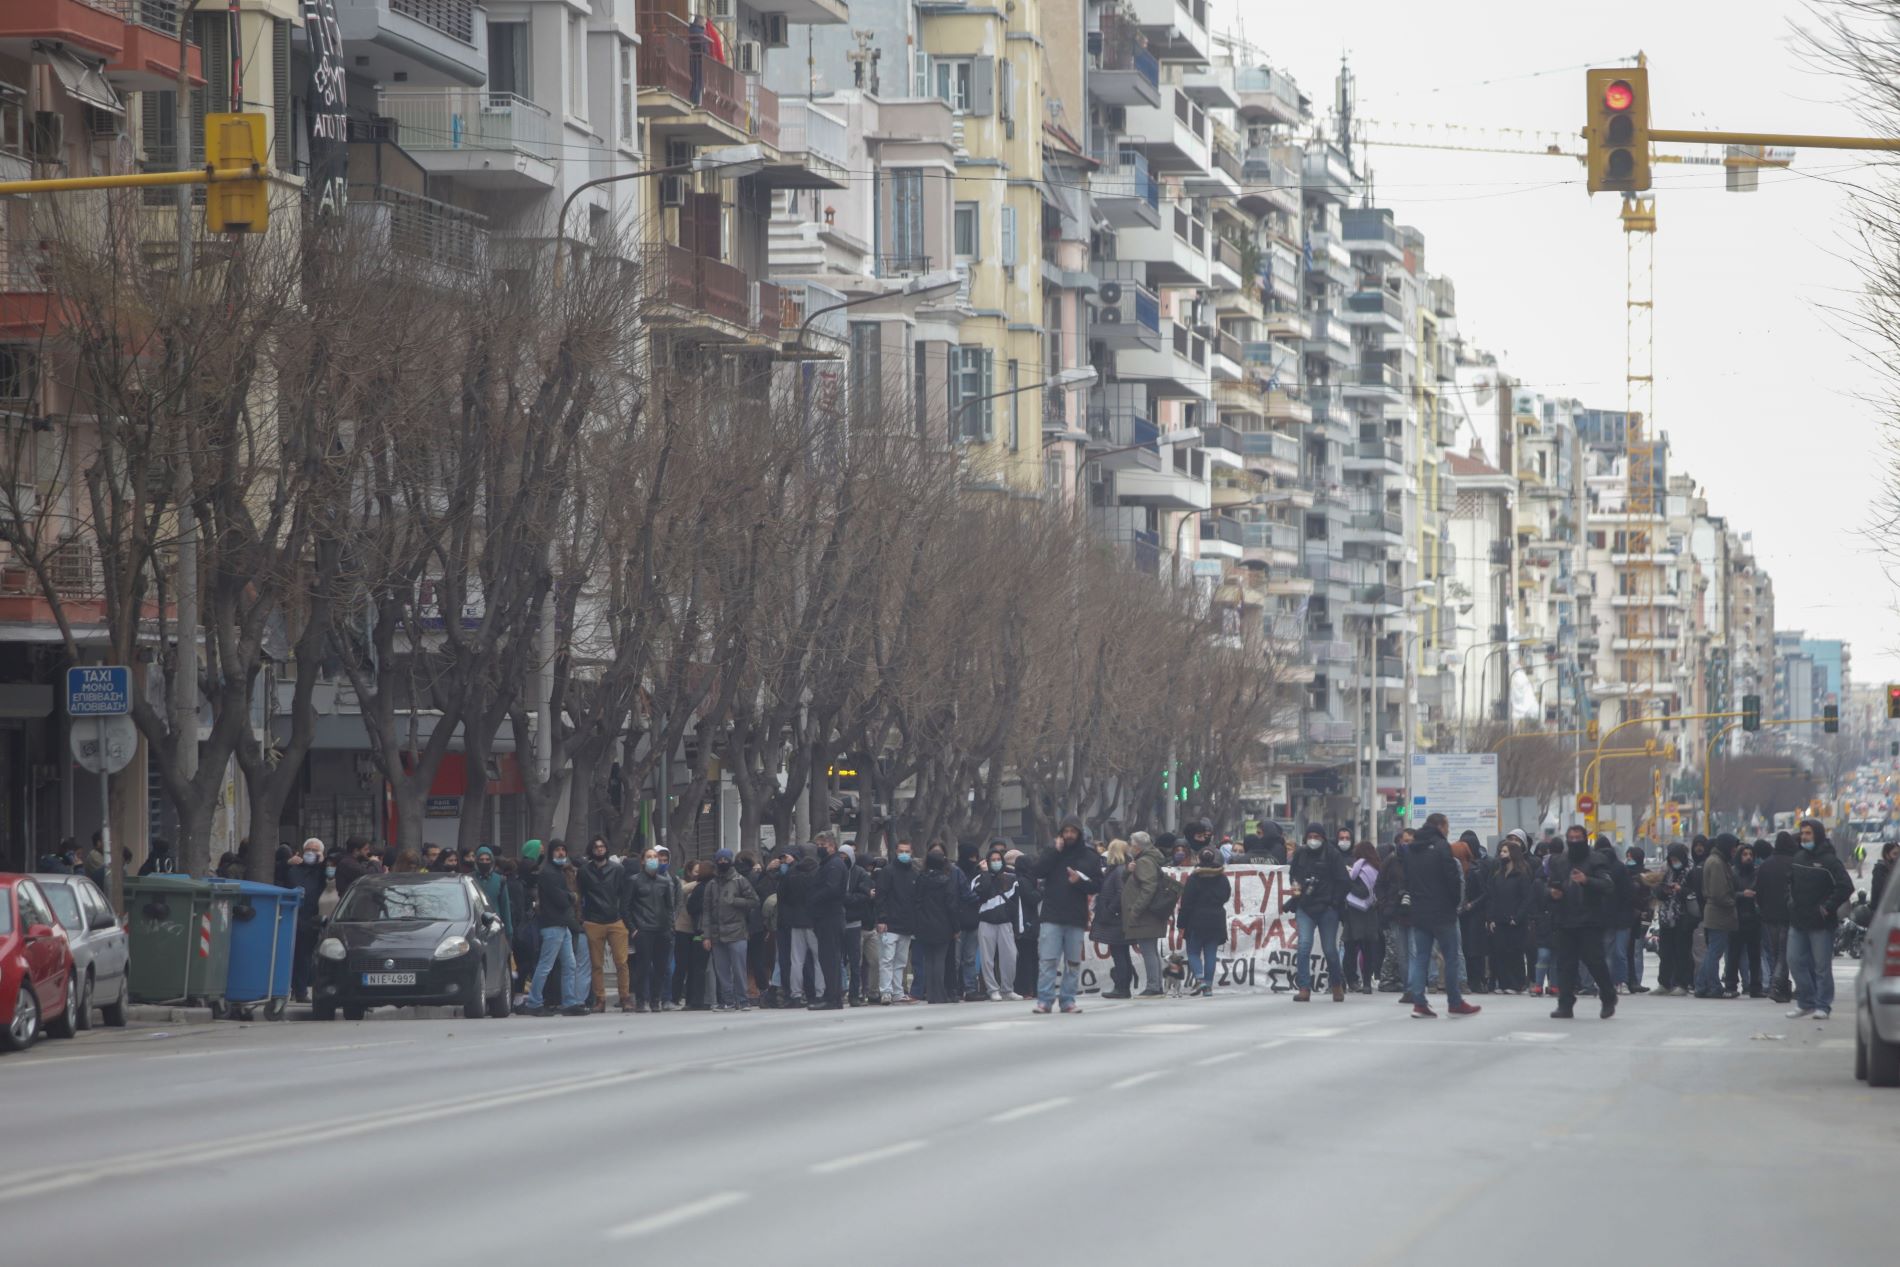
[396, 940]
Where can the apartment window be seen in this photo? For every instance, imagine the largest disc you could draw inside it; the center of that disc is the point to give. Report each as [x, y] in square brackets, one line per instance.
[907, 213]
[12, 120]
[1006, 89]
[965, 231]
[577, 65]
[628, 137]
[508, 58]
[1015, 411]
[17, 377]
[920, 75]
[867, 373]
[1008, 237]
[971, 388]
[955, 82]
[919, 385]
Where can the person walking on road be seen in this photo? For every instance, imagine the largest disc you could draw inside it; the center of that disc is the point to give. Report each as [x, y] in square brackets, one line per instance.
[1883, 872]
[1472, 943]
[1067, 876]
[1360, 927]
[1395, 918]
[1317, 885]
[936, 923]
[999, 916]
[606, 890]
[1719, 917]
[1678, 910]
[1743, 970]
[1148, 899]
[1580, 889]
[306, 875]
[1817, 885]
[1508, 912]
[1106, 922]
[651, 909]
[727, 901]
[557, 920]
[1771, 895]
[1436, 890]
[1203, 920]
[1642, 906]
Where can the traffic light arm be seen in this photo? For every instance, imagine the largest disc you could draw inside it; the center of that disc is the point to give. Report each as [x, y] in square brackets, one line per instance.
[131, 180]
[1637, 721]
[1539, 734]
[1708, 756]
[1789, 139]
[1592, 775]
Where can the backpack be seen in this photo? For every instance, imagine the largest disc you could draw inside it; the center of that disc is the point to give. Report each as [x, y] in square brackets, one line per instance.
[1167, 893]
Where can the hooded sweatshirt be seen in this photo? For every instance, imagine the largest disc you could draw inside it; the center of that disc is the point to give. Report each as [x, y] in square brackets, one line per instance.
[1066, 901]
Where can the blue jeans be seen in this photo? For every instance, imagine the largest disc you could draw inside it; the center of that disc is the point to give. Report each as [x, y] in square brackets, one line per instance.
[1546, 973]
[968, 961]
[1059, 955]
[1327, 923]
[557, 947]
[1631, 941]
[1203, 959]
[1811, 965]
[1446, 937]
[1616, 953]
[1708, 974]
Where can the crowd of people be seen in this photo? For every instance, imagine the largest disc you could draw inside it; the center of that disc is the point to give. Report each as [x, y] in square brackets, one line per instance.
[820, 926]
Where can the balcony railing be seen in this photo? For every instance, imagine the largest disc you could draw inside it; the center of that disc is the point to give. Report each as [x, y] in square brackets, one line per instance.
[153, 15]
[1219, 435]
[806, 129]
[902, 265]
[1265, 79]
[1261, 535]
[1189, 230]
[1376, 301]
[1271, 444]
[1118, 46]
[768, 309]
[1190, 344]
[430, 119]
[762, 112]
[1227, 253]
[1124, 174]
[423, 228]
[676, 62]
[25, 269]
[1228, 530]
[1387, 450]
[454, 18]
[1379, 521]
[1189, 114]
[676, 276]
[1228, 346]
[1227, 161]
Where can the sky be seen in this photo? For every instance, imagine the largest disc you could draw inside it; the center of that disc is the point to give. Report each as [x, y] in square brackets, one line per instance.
[1762, 391]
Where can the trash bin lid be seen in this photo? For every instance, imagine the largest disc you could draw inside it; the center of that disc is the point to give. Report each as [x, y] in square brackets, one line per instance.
[287, 897]
[180, 884]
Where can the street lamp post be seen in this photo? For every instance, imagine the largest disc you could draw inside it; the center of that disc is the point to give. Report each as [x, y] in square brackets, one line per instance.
[1064, 380]
[731, 160]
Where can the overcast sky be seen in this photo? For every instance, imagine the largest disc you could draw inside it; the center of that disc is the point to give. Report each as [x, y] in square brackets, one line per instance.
[1758, 389]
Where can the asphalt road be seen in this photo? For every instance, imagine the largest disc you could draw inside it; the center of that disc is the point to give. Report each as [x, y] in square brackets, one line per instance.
[1239, 1128]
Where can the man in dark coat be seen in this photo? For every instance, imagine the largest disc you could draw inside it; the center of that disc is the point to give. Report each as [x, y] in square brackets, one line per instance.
[1067, 875]
[1817, 885]
[557, 918]
[1436, 889]
[1579, 889]
[1771, 900]
[826, 900]
[1317, 884]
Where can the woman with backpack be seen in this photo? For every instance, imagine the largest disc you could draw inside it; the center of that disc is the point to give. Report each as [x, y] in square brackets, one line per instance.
[1203, 919]
[1149, 895]
[1364, 947]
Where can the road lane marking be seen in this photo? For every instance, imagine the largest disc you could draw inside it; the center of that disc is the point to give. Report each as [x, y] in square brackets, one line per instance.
[674, 1217]
[1327, 1031]
[810, 1049]
[1135, 1080]
[1029, 1110]
[1680, 1044]
[1278, 1042]
[987, 1027]
[855, 1160]
[1531, 1036]
[1221, 1059]
[1165, 1027]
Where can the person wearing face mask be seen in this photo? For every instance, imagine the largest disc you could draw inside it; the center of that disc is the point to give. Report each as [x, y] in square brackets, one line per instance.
[1148, 900]
[999, 915]
[1435, 887]
[306, 874]
[1203, 920]
[1027, 964]
[726, 901]
[898, 894]
[494, 887]
[1067, 877]
[1105, 927]
[606, 891]
[1395, 916]
[652, 905]
[1817, 885]
[936, 923]
[1771, 896]
[558, 920]
[1316, 888]
[1743, 969]
[1678, 910]
[827, 920]
[1360, 919]
[1579, 888]
[1199, 836]
[1720, 919]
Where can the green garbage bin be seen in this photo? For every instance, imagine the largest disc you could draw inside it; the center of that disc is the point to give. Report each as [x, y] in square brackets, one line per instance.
[181, 938]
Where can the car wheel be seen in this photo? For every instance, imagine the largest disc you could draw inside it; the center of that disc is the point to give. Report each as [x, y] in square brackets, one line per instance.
[1883, 1061]
[117, 1014]
[83, 1018]
[477, 1004]
[353, 1011]
[502, 1003]
[67, 1025]
[19, 1035]
[323, 1011]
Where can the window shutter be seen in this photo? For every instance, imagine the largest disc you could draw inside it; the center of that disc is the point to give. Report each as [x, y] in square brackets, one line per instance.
[1006, 90]
[982, 85]
[283, 142]
[1009, 237]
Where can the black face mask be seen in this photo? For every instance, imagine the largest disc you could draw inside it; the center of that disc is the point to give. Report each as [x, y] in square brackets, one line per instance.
[724, 867]
[936, 862]
[484, 866]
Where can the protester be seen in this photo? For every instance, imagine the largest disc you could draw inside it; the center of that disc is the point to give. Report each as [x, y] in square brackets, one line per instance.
[1771, 895]
[1472, 916]
[936, 892]
[826, 902]
[1067, 876]
[1000, 920]
[354, 864]
[1678, 910]
[1883, 872]
[1148, 901]
[1395, 917]
[1744, 965]
[651, 907]
[1364, 949]
[1106, 922]
[1719, 918]
[1642, 905]
[1581, 890]
[1203, 920]
[1028, 959]
[557, 920]
[306, 875]
[727, 901]
[606, 892]
[492, 883]
[160, 861]
[1817, 885]
[692, 968]
[794, 913]
[1316, 885]
[1508, 913]
[898, 894]
[860, 912]
[1435, 887]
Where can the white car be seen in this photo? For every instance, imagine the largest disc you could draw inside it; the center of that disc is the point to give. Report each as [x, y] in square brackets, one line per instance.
[99, 945]
[1877, 996]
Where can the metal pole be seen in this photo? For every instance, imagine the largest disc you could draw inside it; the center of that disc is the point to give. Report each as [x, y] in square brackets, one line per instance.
[115, 876]
[666, 784]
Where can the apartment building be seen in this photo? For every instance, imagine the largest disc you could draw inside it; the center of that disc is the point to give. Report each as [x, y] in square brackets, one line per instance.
[1543, 453]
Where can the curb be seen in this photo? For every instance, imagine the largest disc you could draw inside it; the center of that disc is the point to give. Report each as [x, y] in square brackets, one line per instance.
[163, 1014]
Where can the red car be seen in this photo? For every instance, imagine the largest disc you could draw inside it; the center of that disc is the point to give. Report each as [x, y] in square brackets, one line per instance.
[36, 968]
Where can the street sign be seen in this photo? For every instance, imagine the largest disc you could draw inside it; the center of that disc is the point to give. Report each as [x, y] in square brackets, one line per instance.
[1463, 786]
[106, 746]
[98, 690]
[1586, 804]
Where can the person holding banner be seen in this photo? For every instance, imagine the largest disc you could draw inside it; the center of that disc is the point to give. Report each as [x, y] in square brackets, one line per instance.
[1317, 886]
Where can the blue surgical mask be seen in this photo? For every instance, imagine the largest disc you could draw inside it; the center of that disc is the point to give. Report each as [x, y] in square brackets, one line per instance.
[653, 866]
[904, 857]
[559, 862]
[996, 864]
[1226, 852]
[1808, 845]
[330, 872]
[784, 868]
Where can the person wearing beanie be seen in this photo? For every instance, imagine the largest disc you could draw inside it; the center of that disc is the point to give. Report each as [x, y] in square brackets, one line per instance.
[494, 887]
[1719, 918]
[1817, 885]
[1203, 920]
[1771, 899]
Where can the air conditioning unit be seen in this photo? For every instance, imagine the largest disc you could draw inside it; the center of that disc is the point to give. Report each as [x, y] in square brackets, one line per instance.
[1110, 294]
[749, 58]
[49, 136]
[103, 125]
[1109, 316]
[672, 191]
[778, 31]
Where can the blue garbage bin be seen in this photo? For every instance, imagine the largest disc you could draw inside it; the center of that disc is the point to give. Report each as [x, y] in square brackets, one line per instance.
[263, 945]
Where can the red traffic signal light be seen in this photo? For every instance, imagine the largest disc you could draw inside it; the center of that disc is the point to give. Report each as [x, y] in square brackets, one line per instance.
[1893, 701]
[1619, 95]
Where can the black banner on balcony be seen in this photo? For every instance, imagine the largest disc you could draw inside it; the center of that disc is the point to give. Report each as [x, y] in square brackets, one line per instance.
[328, 182]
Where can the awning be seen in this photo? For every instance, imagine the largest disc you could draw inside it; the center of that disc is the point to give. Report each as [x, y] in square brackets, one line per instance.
[84, 81]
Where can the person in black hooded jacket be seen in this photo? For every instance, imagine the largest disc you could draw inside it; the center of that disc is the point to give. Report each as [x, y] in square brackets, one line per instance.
[1508, 912]
[1817, 885]
[936, 922]
[1436, 889]
[1580, 888]
[1317, 884]
[1067, 877]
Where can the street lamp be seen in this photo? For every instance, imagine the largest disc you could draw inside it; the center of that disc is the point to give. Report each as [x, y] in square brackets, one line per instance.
[1064, 380]
[917, 287]
[1464, 724]
[733, 161]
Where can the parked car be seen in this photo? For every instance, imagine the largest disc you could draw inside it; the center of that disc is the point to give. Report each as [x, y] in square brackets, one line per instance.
[36, 968]
[99, 942]
[1877, 996]
[397, 940]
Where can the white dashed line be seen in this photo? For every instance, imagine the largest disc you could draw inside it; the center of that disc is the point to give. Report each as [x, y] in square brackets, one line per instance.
[1030, 1110]
[1165, 1028]
[1135, 1080]
[1278, 1042]
[1322, 1032]
[1682, 1044]
[1531, 1036]
[855, 1160]
[1221, 1059]
[677, 1215]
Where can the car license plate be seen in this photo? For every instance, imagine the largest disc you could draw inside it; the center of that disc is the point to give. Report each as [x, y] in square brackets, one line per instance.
[389, 978]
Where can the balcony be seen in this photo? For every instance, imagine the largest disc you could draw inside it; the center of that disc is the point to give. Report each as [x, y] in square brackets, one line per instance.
[1224, 358]
[1164, 489]
[1222, 444]
[1326, 172]
[813, 147]
[1286, 407]
[1271, 453]
[1371, 232]
[1379, 527]
[1377, 381]
[92, 27]
[1383, 457]
[1659, 643]
[1224, 266]
[424, 42]
[1121, 70]
[1223, 176]
[826, 338]
[1177, 369]
[484, 140]
[1122, 426]
[1127, 314]
[149, 60]
[27, 305]
[1143, 549]
[1329, 258]
[1376, 310]
[1126, 192]
[1267, 96]
[1220, 538]
[1271, 543]
[1173, 134]
[687, 95]
[1660, 598]
[700, 293]
[1322, 729]
[1176, 29]
[1175, 255]
[1268, 183]
[445, 240]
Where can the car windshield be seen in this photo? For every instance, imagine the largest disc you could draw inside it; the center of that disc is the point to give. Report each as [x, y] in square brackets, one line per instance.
[368, 904]
[65, 906]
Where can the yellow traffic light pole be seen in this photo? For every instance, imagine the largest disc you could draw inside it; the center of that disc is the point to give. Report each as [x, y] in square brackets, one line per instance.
[1637, 721]
[1541, 734]
[1620, 754]
[1708, 754]
[133, 180]
[234, 153]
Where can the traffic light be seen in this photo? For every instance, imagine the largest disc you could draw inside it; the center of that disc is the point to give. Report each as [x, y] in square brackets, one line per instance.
[1751, 712]
[1590, 729]
[235, 143]
[1616, 131]
[1893, 701]
[1831, 719]
[1893, 749]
